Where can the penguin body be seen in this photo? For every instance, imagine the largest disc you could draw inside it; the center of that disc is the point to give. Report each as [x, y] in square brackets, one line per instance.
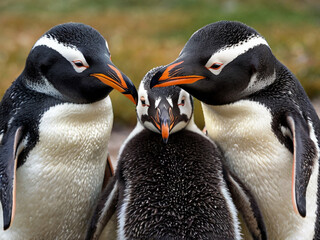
[55, 136]
[175, 187]
[58, 184]
[259, 114]
[272, 191]
[176, 198]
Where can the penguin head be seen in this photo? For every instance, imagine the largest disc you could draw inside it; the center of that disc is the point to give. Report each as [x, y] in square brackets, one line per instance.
[72, 62]
[163, 110]
[221, 63]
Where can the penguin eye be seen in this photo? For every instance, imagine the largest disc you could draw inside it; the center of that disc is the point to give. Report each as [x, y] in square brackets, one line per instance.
[79, 63]
[143, 102]
[183, 99]
[216, 66]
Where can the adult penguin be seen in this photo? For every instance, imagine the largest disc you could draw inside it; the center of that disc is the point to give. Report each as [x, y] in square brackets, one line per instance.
[55, 123]
[259, 114]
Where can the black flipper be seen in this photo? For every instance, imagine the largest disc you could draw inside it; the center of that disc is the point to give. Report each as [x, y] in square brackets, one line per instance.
[8, 165]
[104, 210]
[247, 206]
[109, 172]
[305, 154]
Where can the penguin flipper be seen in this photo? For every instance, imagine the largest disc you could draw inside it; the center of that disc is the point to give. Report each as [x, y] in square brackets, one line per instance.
[109, 172]
[305, 154]
[247, 206]
[105, 209]
[8, 165]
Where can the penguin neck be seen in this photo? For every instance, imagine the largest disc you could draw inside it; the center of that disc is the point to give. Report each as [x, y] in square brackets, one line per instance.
[285, 79]
[43, 86]
[21, 88]
[193, 127]
[241, 123]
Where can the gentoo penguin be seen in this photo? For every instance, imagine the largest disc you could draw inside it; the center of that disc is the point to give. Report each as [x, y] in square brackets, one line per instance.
[259, 114]
[55, 123]
[172, 187]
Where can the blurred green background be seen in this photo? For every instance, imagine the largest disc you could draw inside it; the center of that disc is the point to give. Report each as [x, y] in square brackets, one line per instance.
[148, 33]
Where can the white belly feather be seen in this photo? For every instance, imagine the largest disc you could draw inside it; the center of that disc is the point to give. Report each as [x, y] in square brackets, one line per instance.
[253, 152]
[60, 181]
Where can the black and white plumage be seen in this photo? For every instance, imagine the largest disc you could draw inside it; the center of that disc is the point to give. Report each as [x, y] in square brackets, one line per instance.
[176, 187]
[259, 114]
[55, 123]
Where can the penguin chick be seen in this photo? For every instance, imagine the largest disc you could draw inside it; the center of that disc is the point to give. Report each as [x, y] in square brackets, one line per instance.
[55, 123]
[177, 187]
[259, 114]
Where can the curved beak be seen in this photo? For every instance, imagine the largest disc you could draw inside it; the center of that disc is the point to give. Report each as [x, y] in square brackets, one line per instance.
[164, 121]
[174, 74]
[117, 80]
[165, 125]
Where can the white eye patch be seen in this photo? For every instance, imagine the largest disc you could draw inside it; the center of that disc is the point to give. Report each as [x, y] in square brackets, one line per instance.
[69, 52]
[142, 92]
[186, 108]
[228, 54]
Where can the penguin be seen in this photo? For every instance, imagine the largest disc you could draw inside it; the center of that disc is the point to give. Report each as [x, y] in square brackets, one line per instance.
[259, 114]
[173, 187]
[55, 123]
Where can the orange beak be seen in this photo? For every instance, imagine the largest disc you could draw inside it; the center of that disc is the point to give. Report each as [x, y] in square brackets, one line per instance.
[115, 79]
[165, 131]
[164, 121]
[171, 76]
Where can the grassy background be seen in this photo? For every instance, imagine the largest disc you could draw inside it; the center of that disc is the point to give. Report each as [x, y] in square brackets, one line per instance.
[148, 33]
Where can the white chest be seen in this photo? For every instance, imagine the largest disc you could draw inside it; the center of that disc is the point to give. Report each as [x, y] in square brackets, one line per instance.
[263, 164]
[62, 176]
